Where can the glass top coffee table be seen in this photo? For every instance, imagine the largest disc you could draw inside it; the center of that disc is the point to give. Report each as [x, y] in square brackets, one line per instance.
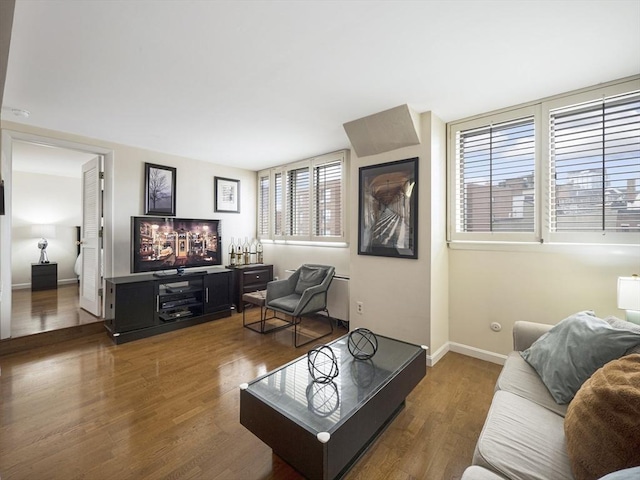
[321, 429]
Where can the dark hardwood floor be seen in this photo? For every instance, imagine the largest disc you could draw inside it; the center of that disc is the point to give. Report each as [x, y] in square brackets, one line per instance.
[167, 407]
[46, 310]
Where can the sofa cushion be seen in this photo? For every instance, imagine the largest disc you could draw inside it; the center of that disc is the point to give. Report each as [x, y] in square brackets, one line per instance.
[570, 352]
[478, 473]
[309, 277]
[518, 377]
[522, 440]
[602, 425]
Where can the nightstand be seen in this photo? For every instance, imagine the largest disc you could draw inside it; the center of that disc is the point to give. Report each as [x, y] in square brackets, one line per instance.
[44, 276]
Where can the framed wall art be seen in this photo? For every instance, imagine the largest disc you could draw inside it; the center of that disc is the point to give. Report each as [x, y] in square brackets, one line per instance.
[159, 190]
[388, 209]
[226, 195]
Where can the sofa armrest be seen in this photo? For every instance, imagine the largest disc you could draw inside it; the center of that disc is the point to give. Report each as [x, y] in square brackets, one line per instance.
[525, 333]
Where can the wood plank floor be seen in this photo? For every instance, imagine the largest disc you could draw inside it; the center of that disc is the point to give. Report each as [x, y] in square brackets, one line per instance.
[46, 310]
[167, 407]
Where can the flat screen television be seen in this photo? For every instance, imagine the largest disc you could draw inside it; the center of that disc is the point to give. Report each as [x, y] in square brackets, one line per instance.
[166, 243]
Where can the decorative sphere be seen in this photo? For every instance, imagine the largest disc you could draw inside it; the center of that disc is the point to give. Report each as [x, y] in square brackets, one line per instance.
[322, 363]
[42, 244]
[362, 344]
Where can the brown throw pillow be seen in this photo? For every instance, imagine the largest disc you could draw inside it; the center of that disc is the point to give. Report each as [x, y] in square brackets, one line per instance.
[602, 425]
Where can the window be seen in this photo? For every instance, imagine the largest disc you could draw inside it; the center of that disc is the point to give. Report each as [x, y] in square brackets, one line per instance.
[307, 202]
[494, 196]
[565, 169]
[263, 205]
[327, 188]
[298, 203]
[595, 166]
[496, 169]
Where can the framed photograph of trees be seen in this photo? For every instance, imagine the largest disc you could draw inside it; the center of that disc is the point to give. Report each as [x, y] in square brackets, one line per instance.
[159, 190]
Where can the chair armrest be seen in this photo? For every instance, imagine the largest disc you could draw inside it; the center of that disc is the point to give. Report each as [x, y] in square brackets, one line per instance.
[525, 333]
[312, 300]
[279, 288]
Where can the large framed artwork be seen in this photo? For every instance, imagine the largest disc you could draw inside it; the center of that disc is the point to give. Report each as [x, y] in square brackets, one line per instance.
[226, 195]
[388, 209]
[159, 190]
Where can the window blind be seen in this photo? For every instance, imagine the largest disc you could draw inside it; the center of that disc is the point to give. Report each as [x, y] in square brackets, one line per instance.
[595, 166]
[277, 204]
[298, 202]
[327, 185]
[495, 187]
[263, 206]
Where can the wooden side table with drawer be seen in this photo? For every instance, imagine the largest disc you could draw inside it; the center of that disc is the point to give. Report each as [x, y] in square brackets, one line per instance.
[250, 278]
[44, 276]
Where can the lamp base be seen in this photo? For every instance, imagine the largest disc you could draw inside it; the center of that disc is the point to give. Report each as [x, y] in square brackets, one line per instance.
[43, 256]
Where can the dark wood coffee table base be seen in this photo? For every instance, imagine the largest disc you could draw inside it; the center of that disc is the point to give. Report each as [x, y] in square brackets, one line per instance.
[331, 459]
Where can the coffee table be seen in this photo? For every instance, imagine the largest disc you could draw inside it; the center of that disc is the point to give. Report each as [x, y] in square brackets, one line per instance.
[322, 429]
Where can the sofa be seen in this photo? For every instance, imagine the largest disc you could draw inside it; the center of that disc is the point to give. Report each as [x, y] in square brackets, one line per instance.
[524, 433]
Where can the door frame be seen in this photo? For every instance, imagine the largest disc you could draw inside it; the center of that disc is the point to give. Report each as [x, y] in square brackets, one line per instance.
[6, 169]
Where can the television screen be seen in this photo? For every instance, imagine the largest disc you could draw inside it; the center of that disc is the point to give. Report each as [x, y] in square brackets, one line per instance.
[166, 243]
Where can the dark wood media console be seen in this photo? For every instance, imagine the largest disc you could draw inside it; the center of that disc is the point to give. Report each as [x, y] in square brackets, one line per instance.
[139, 306]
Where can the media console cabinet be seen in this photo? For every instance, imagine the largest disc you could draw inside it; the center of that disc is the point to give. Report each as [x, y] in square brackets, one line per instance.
[139, 306]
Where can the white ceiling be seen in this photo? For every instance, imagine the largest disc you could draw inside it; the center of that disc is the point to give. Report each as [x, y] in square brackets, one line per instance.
[259, 83]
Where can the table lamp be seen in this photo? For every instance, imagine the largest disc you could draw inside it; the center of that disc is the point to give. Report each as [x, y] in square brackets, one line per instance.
[629, 297]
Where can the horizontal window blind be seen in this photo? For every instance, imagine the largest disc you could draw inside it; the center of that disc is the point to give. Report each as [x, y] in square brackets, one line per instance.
[298, 202]
[263, 206]
[327, 185]
[277, 204]
[595, 166]
[495, 183]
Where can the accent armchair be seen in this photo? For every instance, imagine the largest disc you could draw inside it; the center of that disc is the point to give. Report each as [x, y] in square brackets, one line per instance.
[302, 294]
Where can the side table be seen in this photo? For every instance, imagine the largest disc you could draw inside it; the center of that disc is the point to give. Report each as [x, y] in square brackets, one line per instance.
[44, 276]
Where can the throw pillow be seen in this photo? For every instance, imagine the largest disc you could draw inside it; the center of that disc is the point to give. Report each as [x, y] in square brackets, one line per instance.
[624, 325]
[309, 277]
[571, 351]
[602, 424]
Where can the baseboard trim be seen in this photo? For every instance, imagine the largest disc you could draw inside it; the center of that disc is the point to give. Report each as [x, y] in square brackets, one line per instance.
[477, 353]
[437, 355]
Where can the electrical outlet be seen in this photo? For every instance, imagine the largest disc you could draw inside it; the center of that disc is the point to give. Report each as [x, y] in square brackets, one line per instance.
[359, 308]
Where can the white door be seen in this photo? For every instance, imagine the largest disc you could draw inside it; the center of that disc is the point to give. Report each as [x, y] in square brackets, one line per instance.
[91, 237]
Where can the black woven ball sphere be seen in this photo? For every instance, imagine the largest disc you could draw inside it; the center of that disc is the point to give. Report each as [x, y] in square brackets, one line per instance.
[362, 344]
[322, 363]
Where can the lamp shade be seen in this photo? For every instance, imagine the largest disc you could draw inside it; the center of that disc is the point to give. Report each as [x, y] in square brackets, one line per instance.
[629, 293]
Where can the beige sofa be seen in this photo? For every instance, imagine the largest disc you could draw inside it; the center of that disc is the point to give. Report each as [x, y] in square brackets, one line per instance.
[523, 436]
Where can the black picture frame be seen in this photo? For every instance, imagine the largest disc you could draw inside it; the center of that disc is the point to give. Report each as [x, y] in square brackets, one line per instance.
[159, 190]
[388, 209]
[226, 195]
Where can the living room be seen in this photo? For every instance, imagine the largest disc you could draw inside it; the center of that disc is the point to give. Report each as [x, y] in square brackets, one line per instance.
[448, 297]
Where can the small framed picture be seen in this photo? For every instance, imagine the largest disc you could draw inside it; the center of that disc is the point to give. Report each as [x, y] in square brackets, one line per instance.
[159, 190]
[388, 209]
[226, 195]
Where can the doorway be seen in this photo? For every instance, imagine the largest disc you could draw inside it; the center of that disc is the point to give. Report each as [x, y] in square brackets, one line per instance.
[24, 312]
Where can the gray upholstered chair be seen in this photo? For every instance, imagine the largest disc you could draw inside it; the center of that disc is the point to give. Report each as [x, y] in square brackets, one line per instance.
[303, 293]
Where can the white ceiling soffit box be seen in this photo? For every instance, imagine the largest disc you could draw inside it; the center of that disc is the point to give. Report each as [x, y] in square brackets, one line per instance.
[383, 131]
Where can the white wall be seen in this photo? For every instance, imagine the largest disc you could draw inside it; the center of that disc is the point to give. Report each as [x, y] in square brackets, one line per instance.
[543, 283]
[52, 201]
[194, 189]
[398, 294]
[290, 257]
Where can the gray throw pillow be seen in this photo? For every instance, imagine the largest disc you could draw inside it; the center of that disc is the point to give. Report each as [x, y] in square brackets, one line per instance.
[620, 324]
[571, 351]
[309, 277]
